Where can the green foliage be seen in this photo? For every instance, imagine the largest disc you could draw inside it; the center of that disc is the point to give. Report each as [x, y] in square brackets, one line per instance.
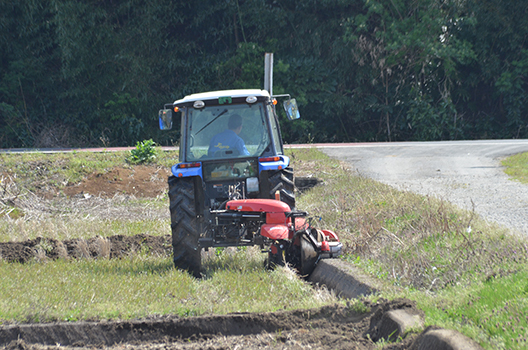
[76, 73]
[145, 152]
[244, 70]
[120, 119]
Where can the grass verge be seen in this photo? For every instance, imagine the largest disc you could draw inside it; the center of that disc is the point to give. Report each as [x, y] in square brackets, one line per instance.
[517, 167]
[464, 273]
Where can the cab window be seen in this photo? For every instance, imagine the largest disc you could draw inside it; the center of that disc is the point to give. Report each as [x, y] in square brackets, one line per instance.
[205, 123]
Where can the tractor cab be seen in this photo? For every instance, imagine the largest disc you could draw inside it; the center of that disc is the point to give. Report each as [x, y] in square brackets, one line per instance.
[206, 115]
[230, 139]
[212, 130]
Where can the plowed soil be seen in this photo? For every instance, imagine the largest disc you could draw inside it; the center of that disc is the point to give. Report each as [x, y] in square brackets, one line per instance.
[332, 327]
[97, 247]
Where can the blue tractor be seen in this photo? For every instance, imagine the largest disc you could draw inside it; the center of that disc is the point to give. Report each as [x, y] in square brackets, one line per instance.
[231, 150]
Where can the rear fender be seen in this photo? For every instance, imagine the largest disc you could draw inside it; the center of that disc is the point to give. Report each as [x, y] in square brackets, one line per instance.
[275, 232]
[273, 163]
[331, 247]
[330, 236]
[187, 169]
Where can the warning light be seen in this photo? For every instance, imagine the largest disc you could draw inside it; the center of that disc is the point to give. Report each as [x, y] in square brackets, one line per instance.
[189, 165]
[269, 159]
[274, 101]
[176, 109]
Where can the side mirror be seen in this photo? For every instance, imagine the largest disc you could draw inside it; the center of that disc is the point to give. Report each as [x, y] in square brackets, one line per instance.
[290, 106]
[165, 119]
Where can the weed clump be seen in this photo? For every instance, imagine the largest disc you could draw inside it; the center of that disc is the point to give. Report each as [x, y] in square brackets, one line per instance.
[145, 152]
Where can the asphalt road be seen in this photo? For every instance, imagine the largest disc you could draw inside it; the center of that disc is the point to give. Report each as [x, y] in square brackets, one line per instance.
[467, 173]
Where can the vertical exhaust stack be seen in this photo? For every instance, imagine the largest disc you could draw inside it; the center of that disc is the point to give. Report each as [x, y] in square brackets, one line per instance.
[268, 73]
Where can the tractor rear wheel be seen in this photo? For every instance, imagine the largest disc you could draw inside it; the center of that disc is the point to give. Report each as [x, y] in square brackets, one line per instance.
[185, 225]
[282, 181]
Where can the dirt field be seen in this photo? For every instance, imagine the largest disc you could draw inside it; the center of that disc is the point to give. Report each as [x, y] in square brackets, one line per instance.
[332, 327]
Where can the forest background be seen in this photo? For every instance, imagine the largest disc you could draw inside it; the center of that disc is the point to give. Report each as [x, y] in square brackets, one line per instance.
[96, 72]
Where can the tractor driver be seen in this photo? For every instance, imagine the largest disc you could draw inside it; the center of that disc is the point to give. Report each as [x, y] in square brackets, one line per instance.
[228, 140]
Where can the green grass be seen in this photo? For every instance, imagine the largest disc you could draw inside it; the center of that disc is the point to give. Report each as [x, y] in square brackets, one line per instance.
[492, 311]
[142, 285]
[517, 167]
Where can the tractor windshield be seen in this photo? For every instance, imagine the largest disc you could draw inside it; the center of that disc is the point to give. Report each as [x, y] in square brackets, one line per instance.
[228, 131]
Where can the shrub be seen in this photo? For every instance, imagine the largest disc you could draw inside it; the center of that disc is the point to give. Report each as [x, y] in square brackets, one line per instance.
[145, 152]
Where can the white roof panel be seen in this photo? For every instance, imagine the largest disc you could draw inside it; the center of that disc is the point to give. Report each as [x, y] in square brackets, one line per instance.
[204, 96]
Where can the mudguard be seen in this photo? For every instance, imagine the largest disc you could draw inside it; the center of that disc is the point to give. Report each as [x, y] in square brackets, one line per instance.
[275, 232]
[260, 205]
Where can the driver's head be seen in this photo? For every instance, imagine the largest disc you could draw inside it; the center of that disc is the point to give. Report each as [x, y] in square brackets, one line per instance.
[235, 122]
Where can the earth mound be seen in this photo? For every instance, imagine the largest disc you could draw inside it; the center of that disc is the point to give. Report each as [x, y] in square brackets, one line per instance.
[140, 181]
[97, 247]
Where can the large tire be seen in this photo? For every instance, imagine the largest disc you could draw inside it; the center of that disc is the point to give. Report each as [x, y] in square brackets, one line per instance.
[282, 181]
[309, 256]
[185, 225]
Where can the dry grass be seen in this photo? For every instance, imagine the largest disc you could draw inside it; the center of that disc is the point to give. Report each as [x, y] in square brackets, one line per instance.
[408, 239]
[465, 273]
[10, 194]
[28, 216]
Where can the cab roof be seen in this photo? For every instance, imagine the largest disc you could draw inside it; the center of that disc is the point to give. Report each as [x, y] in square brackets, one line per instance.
[204, 96]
